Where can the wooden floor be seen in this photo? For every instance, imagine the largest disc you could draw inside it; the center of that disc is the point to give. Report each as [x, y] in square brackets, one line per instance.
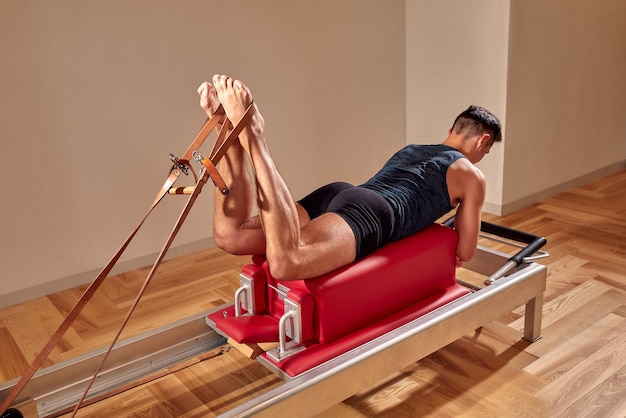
[578, 368]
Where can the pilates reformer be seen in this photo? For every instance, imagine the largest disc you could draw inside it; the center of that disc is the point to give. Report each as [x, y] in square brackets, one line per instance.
[320, 372]
[324, 331]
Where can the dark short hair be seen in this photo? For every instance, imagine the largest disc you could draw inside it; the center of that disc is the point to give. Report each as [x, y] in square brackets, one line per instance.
[476, 120]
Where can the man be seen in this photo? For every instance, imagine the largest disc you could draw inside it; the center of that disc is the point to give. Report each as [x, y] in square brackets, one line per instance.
[340, 223]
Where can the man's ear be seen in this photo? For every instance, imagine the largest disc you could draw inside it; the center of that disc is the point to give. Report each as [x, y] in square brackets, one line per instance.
[483, 141]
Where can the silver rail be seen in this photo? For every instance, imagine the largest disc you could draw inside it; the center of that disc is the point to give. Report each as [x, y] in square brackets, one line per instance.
[60, 386]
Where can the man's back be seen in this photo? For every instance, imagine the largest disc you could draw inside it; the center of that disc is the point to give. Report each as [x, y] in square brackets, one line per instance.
[414, 183]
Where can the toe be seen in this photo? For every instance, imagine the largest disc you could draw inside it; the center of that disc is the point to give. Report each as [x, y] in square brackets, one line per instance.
[202, 88]
[218, 81]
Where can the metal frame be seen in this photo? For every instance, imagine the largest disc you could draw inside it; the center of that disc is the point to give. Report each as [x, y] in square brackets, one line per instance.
[289, 326]
[246, 289]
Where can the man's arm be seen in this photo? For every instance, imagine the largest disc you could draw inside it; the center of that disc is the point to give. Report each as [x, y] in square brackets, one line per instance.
[467, 221]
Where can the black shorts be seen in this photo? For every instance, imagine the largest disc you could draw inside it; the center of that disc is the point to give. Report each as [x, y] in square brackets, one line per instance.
[369, 215]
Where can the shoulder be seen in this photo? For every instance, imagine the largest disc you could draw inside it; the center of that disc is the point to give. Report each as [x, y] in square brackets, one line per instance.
[465, 170]
[465, 180]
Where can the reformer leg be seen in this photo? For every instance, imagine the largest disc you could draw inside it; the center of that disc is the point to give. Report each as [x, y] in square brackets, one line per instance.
[532, 318]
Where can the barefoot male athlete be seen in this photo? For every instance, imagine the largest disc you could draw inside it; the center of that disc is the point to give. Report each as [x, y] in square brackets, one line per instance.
[340, 223]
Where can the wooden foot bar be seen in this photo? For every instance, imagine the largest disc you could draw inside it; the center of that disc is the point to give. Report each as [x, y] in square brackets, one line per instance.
[182, 190]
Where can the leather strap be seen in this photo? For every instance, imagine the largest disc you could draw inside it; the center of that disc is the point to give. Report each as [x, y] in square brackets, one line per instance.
[222, 144]
[209, 125]
[219, 149]
[203, 179]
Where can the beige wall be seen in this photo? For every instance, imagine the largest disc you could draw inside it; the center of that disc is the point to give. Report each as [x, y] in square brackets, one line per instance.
[553, 71]
[457, 56]
[566, 97]
[95, 95]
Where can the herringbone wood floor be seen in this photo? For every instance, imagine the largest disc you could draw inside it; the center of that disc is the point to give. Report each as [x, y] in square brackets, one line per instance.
[578, 368]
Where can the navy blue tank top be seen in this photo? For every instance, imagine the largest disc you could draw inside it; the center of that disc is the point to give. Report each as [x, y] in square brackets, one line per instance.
[413, 181]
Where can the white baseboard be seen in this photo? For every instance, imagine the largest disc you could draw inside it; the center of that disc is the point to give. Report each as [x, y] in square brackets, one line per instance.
[88, 276]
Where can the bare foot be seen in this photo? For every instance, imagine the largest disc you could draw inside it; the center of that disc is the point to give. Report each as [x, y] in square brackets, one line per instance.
[208, 98]
[236, 97]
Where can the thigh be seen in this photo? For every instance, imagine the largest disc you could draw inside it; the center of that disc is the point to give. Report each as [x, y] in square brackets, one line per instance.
[326, 244]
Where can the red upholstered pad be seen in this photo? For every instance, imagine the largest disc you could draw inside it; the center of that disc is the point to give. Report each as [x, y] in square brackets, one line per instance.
[384, 282]
[352, 297]
[316, 354]
[246, 329]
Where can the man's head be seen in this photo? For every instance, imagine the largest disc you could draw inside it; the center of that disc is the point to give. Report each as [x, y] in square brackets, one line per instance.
[479, 129]
[476, 120]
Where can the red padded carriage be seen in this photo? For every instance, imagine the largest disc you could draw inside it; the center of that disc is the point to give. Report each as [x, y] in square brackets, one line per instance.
[352, 305]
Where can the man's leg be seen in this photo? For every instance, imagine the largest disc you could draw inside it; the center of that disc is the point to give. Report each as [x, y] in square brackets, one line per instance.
[234, 228]
[293, 250]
